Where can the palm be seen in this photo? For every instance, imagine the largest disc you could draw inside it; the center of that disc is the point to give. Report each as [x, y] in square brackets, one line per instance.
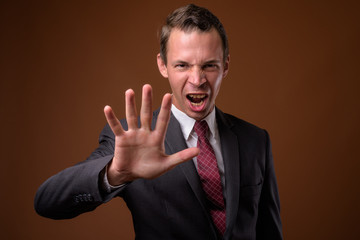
[140, 152]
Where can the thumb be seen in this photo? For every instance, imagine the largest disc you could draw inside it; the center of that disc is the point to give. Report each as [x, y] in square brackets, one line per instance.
[182, 156]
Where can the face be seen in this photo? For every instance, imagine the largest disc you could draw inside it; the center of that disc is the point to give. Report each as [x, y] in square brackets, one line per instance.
[195, 69]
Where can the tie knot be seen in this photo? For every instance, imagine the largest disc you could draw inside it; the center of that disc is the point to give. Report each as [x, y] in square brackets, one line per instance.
[201, 128]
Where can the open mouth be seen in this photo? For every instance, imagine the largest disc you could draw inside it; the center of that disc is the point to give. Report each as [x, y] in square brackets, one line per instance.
[196, 99]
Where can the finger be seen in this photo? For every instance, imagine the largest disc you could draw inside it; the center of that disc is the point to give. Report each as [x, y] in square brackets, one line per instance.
[146, 107]
[130, 106]
[113, 121]
[164, 115]
[182, 156]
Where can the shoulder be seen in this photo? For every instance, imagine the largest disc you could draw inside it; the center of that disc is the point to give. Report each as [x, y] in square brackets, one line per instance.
[240, 127]
[233, 121]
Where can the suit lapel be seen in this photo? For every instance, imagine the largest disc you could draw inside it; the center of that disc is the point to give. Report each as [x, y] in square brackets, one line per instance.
[175, 142]
[230, 153]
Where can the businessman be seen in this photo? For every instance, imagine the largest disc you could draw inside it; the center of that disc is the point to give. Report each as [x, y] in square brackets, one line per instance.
[186, 170]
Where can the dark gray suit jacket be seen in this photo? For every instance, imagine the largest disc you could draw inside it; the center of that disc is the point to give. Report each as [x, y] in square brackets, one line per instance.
[173, 206]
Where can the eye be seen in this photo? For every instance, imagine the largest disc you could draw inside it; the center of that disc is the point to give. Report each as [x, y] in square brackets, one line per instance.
[210, 67]
[181, 66]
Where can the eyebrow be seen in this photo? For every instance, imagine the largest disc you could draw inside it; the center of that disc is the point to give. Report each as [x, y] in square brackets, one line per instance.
[212, 61]
[207, 62]
[180, 61]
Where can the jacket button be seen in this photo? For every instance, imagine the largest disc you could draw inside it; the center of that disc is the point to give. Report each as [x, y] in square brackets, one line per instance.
[90, 198]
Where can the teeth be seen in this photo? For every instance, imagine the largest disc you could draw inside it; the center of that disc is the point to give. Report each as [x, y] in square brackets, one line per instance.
[197, 95]
[196, 99]
[197, 104]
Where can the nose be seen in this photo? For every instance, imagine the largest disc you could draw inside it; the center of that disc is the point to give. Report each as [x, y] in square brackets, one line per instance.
[197, 76]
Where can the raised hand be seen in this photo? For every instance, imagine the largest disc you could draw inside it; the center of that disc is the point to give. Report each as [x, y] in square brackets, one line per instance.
[140, 152]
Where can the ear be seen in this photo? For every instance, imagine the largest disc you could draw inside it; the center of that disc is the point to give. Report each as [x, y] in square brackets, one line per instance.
[162, 66]
[226, 66]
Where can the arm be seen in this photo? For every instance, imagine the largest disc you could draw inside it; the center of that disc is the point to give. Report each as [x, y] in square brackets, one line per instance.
[269, 223]
[132, 154]
[77, 189]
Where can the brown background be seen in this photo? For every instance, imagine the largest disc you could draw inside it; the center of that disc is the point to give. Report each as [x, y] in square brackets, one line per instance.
[294, 71]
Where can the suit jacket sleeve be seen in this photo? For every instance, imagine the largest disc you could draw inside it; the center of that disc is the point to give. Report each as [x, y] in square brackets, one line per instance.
[76, 189]
[269, 224]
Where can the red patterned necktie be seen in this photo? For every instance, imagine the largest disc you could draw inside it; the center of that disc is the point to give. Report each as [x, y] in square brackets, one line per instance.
[210, 177]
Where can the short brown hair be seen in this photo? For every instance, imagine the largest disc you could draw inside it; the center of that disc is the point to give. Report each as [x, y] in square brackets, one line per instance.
[189, 18]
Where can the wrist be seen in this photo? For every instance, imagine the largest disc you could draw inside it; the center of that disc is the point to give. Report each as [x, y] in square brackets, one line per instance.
[116, 177]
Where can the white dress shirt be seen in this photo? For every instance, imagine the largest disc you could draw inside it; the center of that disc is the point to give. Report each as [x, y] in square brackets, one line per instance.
[190, 136]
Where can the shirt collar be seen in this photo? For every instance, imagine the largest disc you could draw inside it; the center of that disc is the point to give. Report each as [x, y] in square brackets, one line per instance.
[187, 123]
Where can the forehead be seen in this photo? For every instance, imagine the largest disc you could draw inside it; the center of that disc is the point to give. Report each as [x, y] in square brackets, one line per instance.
[194, 45]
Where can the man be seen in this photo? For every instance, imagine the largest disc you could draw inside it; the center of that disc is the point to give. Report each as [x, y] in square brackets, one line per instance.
[227, 191]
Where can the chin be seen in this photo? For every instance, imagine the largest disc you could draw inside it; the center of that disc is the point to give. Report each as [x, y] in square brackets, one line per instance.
[197, 115]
